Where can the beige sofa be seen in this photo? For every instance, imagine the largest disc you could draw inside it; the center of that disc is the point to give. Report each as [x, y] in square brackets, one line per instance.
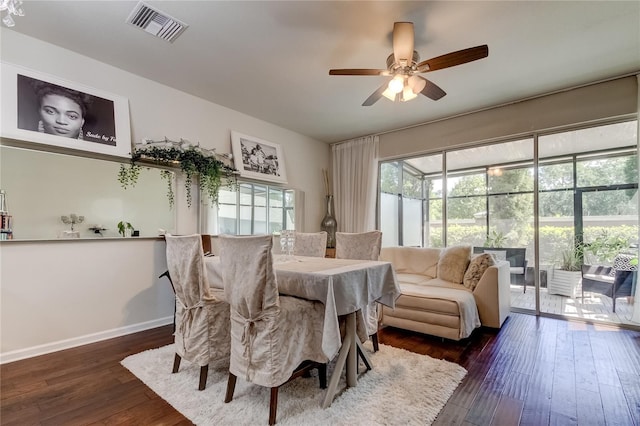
[431, 305]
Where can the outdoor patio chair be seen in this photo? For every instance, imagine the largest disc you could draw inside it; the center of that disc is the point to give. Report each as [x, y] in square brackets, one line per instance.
[607, 281]
[516, 256]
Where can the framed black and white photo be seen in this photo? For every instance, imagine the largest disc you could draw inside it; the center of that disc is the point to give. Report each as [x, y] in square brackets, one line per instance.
[47, 110]
[256, 158]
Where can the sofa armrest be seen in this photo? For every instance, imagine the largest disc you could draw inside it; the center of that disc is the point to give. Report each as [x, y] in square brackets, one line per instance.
[493, 295]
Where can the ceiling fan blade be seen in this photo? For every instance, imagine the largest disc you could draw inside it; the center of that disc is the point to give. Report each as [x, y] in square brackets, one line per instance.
[454, 58]
[376, 95]
[358, 72]
[403, 42]
[431, 90]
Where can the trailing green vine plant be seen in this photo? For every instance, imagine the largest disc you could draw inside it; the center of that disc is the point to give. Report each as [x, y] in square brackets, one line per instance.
[168, 176]
[204, 164]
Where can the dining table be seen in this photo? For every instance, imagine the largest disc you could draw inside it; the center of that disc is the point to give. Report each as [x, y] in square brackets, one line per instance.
[345, 287]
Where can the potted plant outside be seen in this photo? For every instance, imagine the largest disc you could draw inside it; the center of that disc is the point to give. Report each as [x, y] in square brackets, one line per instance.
[604, 248]
[495, 239]
[567, 275]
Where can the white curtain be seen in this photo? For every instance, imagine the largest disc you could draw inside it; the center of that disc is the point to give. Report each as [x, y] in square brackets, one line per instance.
[355, 168]
[636, 305]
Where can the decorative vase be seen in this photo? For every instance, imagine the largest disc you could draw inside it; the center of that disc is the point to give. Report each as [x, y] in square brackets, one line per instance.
[329, 223]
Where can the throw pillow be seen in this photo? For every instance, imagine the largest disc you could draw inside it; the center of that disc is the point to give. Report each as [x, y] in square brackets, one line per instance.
[453, 263]
[478, 265]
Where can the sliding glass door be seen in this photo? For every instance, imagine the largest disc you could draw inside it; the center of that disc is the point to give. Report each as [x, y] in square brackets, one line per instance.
[585, 186]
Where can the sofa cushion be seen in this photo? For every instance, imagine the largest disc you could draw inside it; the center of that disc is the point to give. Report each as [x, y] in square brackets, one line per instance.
[477, 267]
[453, 263]
[412, 260]
[412, 279]
[439, 282]
[444, 300]
[417, 300]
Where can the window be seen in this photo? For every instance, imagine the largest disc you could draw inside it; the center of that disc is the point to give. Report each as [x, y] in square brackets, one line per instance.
[410, 209]
[251, 209]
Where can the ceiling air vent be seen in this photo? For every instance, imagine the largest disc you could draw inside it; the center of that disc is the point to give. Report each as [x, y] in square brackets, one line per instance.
[156, 23]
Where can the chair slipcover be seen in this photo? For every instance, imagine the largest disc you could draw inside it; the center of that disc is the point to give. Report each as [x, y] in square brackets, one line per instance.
[313, 244]
[271, 335]
[361, 246]
[202, 318]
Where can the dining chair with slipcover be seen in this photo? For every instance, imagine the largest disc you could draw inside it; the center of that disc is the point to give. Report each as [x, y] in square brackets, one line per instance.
[202, 316]
[274, 338]
[312, 244]
[362, 246]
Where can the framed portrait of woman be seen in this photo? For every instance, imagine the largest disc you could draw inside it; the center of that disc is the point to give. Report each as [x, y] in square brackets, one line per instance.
[43, 109]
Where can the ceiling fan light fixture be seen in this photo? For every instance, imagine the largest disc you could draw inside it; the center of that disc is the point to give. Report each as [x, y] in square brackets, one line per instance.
[416, 83]
[389, 95]
[396, 85]
[408, 94]
[403, 42]
[403, 65]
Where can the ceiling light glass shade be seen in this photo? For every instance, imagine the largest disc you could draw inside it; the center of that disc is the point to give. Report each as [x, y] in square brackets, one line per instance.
[396, 84]
[407, 94]
[389, 95]
[416, 83]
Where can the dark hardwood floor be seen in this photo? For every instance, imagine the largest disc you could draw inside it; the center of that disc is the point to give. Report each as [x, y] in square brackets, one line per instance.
[534, 371]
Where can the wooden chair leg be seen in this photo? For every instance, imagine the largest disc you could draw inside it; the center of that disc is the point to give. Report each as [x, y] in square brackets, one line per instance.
[176, 363]
[204, 372]
[273, 405]
[374, 339]
[322, 375]
[231, 386]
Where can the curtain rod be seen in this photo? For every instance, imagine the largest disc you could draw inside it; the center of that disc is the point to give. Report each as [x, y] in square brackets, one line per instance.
[618, 77]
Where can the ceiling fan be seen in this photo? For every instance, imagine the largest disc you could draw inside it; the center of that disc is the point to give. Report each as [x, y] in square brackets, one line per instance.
[403, 67]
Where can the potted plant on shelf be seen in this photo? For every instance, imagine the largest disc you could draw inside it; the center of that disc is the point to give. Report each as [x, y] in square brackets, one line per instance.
[205, 164]
[125, 228]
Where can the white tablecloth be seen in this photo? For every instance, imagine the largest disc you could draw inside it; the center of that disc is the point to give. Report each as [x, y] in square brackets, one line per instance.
[343, 285]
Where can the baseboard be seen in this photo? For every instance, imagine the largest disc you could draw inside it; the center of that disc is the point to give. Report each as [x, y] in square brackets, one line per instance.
[81, 340]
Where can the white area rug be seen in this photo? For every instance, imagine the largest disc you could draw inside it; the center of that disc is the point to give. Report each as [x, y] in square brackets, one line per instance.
[403, 388]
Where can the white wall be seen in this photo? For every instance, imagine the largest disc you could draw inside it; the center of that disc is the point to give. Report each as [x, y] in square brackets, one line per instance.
[95, 287]
[582, 105]
[41, 186]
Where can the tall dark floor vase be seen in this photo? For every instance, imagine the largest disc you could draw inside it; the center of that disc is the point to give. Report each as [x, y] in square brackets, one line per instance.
[329, 223]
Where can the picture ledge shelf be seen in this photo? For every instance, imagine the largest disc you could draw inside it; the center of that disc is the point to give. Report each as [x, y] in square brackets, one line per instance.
[212, 169]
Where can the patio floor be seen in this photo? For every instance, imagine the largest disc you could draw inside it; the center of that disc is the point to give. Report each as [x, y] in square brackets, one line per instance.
[595, 307]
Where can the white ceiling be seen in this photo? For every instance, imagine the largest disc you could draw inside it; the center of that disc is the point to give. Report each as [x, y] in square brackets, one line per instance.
[271, 59]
